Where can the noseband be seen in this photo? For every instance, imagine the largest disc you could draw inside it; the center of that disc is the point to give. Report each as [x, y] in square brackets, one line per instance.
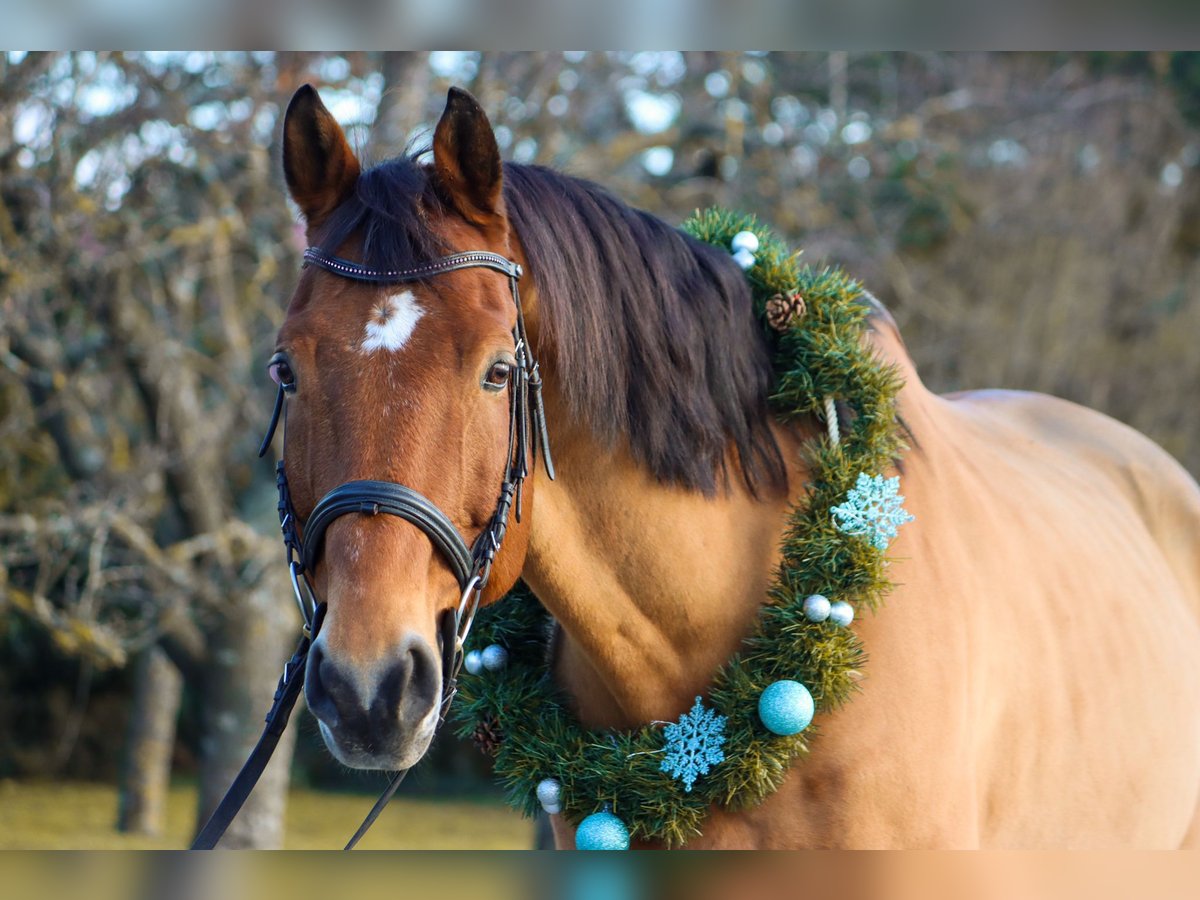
[471, 565]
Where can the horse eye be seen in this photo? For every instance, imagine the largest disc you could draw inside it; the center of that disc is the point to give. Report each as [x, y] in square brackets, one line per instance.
[281, 373]
[497, 376]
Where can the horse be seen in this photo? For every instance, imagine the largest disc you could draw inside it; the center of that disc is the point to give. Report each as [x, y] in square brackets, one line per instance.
[1034, 678]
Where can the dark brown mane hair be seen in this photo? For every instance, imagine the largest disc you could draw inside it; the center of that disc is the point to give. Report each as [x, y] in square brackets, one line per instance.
[651, 332]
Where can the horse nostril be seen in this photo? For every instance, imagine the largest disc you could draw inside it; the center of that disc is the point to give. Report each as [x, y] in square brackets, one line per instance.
[410, 687]
[321, 682]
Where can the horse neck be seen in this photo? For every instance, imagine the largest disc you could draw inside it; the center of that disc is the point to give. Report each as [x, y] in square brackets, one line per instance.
[653, 586]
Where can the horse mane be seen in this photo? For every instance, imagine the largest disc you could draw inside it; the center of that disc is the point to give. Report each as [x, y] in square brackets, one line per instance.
[651, 332]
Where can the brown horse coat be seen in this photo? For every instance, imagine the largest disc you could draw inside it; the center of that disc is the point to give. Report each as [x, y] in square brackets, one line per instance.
[1033, 681]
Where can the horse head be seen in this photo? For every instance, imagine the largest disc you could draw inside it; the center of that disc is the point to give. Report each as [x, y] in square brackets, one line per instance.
[408, 382]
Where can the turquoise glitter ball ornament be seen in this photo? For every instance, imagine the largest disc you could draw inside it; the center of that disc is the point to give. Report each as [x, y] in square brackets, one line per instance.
[602, 831]
[816, 608]
[786, 707]
[841, 613]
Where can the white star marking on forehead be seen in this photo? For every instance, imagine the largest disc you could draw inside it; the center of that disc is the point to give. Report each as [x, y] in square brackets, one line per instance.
[392, 322]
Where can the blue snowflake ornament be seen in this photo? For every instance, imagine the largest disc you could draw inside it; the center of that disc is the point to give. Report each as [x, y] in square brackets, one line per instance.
[694, 744]
[873, 509]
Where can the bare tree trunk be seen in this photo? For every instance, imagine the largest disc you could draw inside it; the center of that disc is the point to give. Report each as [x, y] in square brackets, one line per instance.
[248, 651]
[838, 83]
[406, 80]
[146, 769]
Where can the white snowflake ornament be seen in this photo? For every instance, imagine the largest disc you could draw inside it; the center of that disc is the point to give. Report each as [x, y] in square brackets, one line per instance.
[694, 744]
[873, 509]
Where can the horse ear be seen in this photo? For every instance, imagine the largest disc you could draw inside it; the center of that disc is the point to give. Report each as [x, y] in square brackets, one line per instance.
[466, 160]
[319, 165]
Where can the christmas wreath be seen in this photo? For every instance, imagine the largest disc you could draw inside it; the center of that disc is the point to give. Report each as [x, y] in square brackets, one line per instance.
[733, 747]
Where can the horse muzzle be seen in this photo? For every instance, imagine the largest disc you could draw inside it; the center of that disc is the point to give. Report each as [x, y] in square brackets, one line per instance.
[378, 717]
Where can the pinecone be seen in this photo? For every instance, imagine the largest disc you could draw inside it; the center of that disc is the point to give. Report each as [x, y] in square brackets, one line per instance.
[782, 309]
[488, 735]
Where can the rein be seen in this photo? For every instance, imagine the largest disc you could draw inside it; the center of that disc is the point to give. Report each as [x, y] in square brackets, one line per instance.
[471, 565]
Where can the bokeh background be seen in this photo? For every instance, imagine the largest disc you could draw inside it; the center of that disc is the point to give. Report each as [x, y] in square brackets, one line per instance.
[1032, 221]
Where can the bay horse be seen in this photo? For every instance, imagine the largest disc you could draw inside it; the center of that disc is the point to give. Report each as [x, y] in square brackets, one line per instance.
[1034, 678]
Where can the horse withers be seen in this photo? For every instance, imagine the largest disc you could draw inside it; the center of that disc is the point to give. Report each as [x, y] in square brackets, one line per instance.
[1034, 679]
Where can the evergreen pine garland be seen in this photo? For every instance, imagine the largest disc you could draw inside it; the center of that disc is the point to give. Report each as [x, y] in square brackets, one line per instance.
[819, 354]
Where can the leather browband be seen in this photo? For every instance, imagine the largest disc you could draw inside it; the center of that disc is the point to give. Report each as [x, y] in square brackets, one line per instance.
[468, 260]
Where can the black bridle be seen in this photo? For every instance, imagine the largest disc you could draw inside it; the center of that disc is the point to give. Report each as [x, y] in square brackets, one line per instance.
[471, 565]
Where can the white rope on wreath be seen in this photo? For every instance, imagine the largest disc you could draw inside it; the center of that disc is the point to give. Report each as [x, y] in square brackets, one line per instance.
[831, 420]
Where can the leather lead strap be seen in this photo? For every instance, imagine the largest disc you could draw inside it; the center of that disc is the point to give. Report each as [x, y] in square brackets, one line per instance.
[286, 694]
[451, 658]
[377, 808]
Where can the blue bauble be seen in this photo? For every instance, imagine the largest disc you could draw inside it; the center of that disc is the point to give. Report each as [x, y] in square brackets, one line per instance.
[744, 258]
[473, 662]
[602, 831]
[816, 608]
[494, 657]
[786, 707]
[841, 613]
[549, 794]
[744, 240]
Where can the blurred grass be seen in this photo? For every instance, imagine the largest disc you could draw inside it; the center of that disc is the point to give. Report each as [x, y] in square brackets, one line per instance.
[41, 815]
